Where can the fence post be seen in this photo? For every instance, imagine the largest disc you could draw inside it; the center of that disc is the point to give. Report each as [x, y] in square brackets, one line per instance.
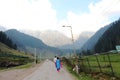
[98, 62]
[110, 64]
[81, 64]
[89, 64]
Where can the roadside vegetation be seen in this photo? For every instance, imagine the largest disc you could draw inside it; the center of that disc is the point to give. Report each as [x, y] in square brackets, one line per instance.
[12, 58]
[105, 66]
[69, 66]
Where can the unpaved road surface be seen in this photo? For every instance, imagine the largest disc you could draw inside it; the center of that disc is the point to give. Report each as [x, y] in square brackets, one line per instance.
[47, 71]
[44, 71]
[17, 74]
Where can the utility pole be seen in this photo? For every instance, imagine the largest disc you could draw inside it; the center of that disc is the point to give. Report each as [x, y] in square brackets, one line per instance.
[72, 39]
[35, 56]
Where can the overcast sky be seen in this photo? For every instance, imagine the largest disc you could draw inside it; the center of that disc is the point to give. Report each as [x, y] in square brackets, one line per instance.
[82, 15]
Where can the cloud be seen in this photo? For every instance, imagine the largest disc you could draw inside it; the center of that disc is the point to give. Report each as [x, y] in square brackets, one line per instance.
[27, 14]
[99, 15]
[39, 15]
[106, 8]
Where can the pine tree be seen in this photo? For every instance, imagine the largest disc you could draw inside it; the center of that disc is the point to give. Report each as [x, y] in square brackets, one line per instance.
[109, 39]
[6, 40]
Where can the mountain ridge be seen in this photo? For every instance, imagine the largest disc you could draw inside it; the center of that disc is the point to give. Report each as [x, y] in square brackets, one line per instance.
[28, 43]
[83, 37]
[89, 45]
[50, 37]
[59, 40]
[109, 39]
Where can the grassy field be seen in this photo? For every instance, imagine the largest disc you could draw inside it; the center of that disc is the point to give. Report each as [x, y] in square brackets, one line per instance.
[11, 58]
[97, 66]
[6, 49]
[90, 64]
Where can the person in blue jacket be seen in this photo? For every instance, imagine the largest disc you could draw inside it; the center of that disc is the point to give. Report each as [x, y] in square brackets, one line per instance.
[58, 64]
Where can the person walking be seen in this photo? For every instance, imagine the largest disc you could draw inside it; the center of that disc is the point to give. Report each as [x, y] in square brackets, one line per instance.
[55, 58]
[58, 64]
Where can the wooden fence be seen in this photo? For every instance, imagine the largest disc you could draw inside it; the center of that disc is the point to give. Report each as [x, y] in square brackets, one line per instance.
[101, 63]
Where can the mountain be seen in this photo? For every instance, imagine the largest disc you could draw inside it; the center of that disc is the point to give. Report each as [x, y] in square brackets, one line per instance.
[89, 45]
[49, 37]
[83, 37]
[109, 39]
[59, 40]
[2, 28]
[54, 38]
[29, 44]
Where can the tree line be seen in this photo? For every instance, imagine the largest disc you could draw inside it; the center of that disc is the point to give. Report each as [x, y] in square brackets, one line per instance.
[6, 40]
[109, 39]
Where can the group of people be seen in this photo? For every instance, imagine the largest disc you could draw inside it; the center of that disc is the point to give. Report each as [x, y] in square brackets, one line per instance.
[58, 63]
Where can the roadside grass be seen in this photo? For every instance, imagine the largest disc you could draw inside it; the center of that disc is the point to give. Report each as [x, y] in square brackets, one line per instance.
[92, 68]
[6, 49]
[10, 58]
[28, 65]
[104, 64]
[81, 76]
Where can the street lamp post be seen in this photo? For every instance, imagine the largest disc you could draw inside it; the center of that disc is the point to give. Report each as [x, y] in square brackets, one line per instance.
[72, 38]
[76, 65]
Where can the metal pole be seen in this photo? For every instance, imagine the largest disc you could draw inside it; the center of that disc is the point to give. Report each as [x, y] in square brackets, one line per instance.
[35, 56]
[72, 39]
[40, 57]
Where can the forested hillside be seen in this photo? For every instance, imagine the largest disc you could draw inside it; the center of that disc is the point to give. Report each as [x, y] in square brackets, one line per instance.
[28, 44]
[6, 40]
[9, 57]
[109, 39]
[88, 47]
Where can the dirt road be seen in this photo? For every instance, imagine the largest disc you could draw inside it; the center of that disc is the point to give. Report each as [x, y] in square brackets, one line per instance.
[47, 71]
[17, 74]
[44, 71]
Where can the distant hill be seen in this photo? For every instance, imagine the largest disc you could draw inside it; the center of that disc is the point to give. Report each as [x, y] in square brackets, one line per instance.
[29, 43]
[83, 37]
[59, 40]
[49, 37]
[109, 39]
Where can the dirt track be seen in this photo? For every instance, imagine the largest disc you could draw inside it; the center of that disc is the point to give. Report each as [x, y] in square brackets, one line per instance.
[17, 74]
[45, 71]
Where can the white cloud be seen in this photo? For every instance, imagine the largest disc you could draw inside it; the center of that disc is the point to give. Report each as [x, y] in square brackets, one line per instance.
[106, 8]
[39, 14]
[27, 14]
[98, 16]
